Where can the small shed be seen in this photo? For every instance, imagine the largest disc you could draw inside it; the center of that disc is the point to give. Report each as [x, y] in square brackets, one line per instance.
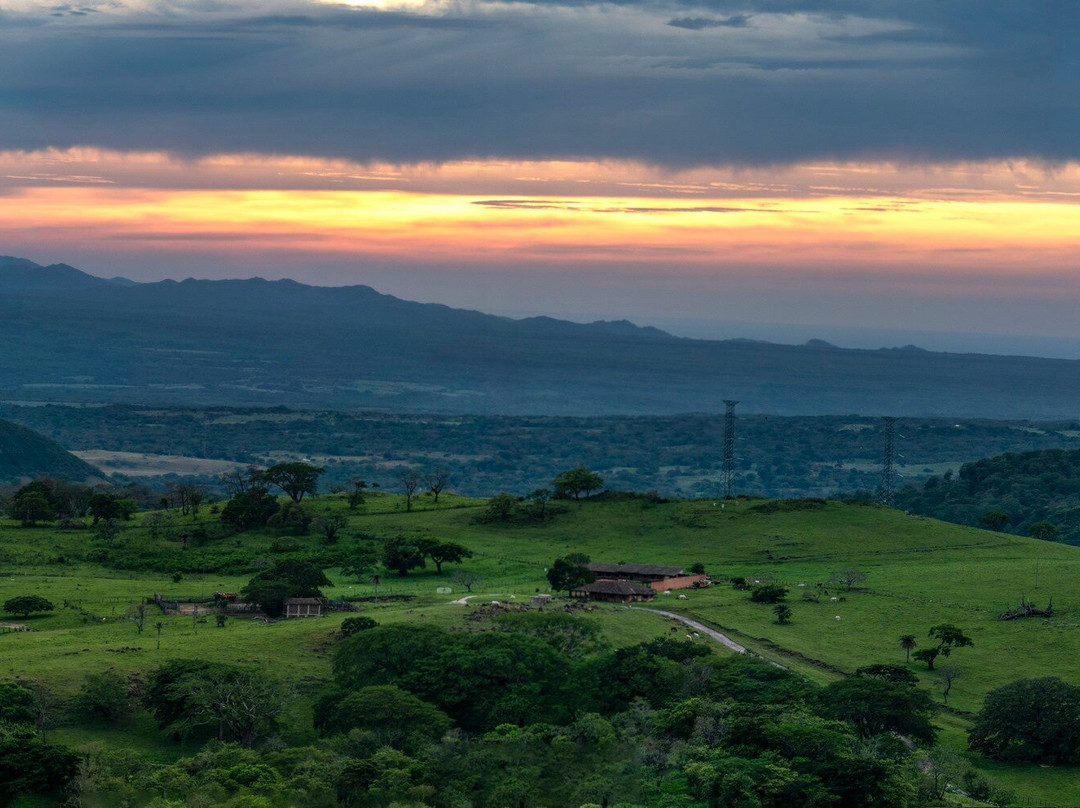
[540, 600]
[614, 591]
[303, 607]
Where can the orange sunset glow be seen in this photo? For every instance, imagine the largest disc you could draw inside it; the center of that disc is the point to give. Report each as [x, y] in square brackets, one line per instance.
[995, 221]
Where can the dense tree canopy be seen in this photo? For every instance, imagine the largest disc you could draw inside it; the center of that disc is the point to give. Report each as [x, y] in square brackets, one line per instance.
[565, 574]
[24, 605]
[1030, 720]
[250, 508]
[286, 579]
[576, 483]
[295, 479]
[875, 705]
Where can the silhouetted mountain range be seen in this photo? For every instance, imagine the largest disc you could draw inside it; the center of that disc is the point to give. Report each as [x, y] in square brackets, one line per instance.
[70, 336]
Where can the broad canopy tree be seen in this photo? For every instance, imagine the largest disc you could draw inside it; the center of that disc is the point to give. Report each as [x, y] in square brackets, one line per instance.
[286, 579]
[1031, 720]
[577, 482]
[567, 573]
[25, 604]
[948, 637]
[295, 479]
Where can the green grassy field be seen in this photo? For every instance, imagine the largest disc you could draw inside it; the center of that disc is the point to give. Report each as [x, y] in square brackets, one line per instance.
[919, 573]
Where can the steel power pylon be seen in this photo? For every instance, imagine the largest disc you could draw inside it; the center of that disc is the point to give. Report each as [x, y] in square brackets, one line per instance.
[888, 456]
[729, 449]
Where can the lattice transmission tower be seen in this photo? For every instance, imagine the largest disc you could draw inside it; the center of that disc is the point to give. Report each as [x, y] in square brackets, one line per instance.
[729, 449]
[888, 456]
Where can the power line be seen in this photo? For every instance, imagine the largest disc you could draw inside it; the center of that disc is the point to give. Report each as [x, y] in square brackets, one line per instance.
[729, 449]
[888, 456]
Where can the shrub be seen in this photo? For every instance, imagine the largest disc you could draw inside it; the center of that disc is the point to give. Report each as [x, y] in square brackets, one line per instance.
[354, 625]
[768, 593]
[105, 695]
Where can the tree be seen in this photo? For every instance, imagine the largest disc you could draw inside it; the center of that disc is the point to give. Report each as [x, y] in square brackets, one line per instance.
[354, 625]
[888, 673]
[30, 506]
[25, 604]
[907, 642]
[187, 497]
[361, 562]
[239, 704]
[295, 479]
[568, 634]
[19, 704]
[292, 517]
[466, 579]
[240, 481]
[286, 579]
[847, 578]
[136, 613]
[576, 482]
[330, 525]
[875, 705]
[107, 530]
[500, 508]
[538, 499]
[437, 482]
[768, 593]
[441, 552]
[250, 508]
[994, 520]
[948, 637]
[947, 674]
[105, 695]
[410, 481]
[783, 613]
[29, 766]
[104, 505]
[1035, 720]
[402, 554]
[1046, 531]
[395, 717]
[356, 495]
[566, 574]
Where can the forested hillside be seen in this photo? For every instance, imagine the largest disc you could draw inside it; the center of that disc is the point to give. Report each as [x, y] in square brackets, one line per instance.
[1029, 493]
[25, 453]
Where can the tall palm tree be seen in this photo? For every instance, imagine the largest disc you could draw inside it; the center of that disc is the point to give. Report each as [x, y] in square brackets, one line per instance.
[907, 642]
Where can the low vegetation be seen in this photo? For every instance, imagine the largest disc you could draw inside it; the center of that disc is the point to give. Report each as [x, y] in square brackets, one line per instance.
[553, 705]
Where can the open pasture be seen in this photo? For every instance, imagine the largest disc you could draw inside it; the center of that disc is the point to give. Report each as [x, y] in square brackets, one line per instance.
[919, 573]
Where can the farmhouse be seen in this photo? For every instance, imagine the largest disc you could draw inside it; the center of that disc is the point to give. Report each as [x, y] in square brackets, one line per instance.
[659, 578]
[303, 607]
[614, 591]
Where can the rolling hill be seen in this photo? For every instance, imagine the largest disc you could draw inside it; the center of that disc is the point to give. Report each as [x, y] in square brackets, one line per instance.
[25, 454]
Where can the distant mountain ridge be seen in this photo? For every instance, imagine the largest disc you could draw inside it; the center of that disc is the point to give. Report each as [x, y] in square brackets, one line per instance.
[75, 337]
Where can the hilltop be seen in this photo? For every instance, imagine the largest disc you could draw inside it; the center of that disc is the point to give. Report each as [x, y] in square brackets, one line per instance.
[25, 454]
[1027, 493]
[75, 337]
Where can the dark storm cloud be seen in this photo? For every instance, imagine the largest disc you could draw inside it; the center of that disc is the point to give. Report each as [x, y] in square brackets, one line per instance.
[678, 83]
[701, 23]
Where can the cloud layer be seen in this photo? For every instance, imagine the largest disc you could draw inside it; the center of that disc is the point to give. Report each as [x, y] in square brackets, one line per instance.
[686, 83]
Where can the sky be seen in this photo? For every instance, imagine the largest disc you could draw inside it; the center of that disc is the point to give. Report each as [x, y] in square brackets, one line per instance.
[851, 166]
